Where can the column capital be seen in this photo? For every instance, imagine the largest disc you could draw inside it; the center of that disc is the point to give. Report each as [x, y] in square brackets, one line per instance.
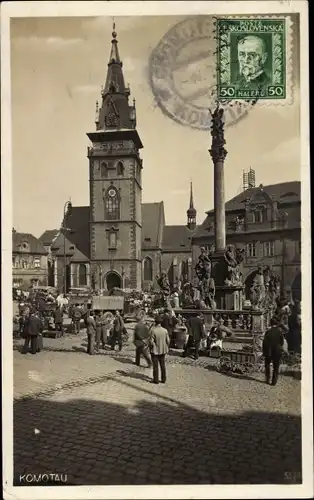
[218, 153]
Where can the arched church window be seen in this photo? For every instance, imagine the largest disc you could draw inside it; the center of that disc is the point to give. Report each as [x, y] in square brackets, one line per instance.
[103, 169]
[112, 204]
[120, 168]
[148, 269]
[82, 275]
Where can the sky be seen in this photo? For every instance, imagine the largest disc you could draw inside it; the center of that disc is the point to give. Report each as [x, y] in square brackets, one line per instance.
[57, 68]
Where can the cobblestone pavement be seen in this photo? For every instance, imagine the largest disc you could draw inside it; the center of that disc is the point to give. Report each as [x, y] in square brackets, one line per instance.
[101, 421]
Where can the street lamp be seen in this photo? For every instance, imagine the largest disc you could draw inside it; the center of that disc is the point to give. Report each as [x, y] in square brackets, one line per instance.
[66, 212]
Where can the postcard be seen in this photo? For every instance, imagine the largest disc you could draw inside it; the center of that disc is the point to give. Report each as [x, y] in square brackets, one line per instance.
[156, 277]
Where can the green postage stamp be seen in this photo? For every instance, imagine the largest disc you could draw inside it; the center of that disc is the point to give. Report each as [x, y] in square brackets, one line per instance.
[254, 58]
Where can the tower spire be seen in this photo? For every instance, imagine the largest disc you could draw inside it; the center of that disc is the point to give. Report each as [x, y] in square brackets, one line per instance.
[191, 212]
[114, 53]
[115, 113]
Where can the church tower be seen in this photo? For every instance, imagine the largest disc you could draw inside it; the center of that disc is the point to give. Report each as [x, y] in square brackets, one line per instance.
[115, 176]
[191, 212]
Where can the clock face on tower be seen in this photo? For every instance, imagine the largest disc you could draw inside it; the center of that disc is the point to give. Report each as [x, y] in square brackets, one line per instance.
[112, 193]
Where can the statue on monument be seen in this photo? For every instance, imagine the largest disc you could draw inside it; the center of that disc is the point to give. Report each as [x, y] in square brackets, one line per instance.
[233, 260]
[206, 283]
[258, 295]
[203, 265]
[217, 128]
[164, 285]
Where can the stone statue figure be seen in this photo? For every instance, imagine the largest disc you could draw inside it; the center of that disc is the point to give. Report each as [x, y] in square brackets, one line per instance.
[217, 128]
[206, 284]
[258, 295]
[203, 266]
[233, 260]
[163, 282]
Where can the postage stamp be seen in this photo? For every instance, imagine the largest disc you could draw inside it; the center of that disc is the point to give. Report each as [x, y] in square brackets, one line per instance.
[254, 58]
[182, 75]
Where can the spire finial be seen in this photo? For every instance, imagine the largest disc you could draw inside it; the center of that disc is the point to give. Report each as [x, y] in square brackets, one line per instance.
[114, 34]
[191, 195]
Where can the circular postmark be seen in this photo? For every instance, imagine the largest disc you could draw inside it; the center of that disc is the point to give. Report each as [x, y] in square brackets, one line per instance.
[182, 73]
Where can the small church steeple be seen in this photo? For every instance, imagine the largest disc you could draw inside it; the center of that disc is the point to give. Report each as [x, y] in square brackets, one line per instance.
[191, 212]
[115, 112]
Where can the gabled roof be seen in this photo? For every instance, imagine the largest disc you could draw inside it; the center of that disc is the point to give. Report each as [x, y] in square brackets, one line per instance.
[77, 236]
[153, 220]
[284, 192]
[34, 245]
[48, 236]
[176, 238]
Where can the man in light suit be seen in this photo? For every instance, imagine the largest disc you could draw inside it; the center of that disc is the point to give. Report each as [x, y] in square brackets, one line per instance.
[159, 346]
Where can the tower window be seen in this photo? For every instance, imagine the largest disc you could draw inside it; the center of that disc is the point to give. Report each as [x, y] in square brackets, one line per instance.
[120, 168]
[104, 169]
[112, 240]
[112, 204]
[148, 269]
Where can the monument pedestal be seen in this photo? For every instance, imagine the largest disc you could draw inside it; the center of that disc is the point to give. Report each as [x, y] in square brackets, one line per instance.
[229, 298]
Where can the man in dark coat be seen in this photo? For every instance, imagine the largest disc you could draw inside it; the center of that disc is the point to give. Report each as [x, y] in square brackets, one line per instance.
[141, 340]
[33, 329]
[272, 350]
[118, 328]
[169, 322]
[196, 334]
[59, 319]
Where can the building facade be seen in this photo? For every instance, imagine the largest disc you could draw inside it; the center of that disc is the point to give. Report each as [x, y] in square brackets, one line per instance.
[266, 222]
[29, 261]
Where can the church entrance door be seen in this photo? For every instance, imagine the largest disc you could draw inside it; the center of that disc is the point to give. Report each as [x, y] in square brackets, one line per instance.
[113, 280]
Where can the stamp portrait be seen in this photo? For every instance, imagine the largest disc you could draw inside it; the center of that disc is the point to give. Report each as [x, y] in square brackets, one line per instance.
[253, 58]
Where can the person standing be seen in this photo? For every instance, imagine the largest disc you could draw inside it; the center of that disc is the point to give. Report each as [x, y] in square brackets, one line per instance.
[98, 321]
[59, 319]
[141, 340]
[32, 330]
[118, 326]
[91, 333]
[76, 318]
[159, 345]
[169, 322]
[272, 349]
[196, 334]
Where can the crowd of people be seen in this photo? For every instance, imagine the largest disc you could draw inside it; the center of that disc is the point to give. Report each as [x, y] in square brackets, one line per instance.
[152, 341]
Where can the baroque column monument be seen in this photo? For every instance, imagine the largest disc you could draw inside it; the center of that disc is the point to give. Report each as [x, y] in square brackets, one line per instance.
[225, 264]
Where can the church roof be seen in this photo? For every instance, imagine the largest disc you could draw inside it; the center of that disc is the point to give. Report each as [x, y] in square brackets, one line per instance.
[153, 216]
[33, 245]
[285, 192]
[48, 236]
[78, 236]
[176, 239]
